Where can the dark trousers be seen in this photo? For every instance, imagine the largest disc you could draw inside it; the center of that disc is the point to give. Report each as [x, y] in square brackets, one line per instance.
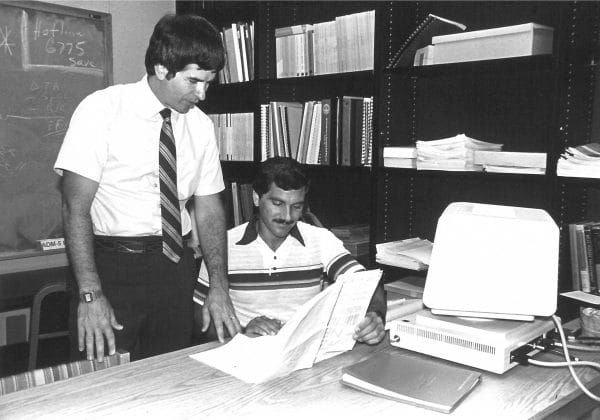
[151, 297]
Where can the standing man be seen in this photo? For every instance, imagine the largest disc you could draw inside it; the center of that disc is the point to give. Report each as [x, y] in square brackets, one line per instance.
[277, 262]
[133, 156]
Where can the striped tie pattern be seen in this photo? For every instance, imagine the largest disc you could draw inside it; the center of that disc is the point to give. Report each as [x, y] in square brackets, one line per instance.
[169, 203]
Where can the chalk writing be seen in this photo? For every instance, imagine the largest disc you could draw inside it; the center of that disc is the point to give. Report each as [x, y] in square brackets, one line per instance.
[4, 44]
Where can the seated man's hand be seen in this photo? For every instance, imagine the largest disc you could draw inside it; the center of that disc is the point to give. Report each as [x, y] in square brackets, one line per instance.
[370, 330]
[262, 325]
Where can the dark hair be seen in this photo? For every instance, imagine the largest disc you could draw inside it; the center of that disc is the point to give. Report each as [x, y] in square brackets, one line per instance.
[285, 172]
[179, 40]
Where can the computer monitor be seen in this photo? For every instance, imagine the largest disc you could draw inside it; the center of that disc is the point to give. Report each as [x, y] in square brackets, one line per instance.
[492, 261]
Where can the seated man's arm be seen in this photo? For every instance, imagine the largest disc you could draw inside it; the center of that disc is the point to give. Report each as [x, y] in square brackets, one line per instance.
[371, 329]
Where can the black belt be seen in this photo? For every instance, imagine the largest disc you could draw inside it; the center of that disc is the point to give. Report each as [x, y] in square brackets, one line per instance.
[130, 244]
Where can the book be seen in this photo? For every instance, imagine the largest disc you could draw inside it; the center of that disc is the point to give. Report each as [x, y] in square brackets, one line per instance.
[321, 328]
[412, 380]
[399, 306]
[412, 286]
[432, 26]
[324, 150]
[518, 159]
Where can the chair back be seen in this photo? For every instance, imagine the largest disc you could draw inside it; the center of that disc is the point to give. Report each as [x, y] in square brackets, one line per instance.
[52, 374]
[34, 331]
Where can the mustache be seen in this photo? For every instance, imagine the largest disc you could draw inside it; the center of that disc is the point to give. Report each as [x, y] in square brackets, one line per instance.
[283, 221]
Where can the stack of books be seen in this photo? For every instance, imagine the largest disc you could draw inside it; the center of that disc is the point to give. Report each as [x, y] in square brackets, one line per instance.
[584, 242]
[235, 135]
[342, 45]
[305, 132]
[511, 162]
[404, 297]
[238, 41]
[355, 238]
[452, 153]
[238, 203]
[581, 161]
[413, 253]
[400, 157]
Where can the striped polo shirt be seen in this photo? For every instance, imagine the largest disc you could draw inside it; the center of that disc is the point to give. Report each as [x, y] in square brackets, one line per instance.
[276, 283]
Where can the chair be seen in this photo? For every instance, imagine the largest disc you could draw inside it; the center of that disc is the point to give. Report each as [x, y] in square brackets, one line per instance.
[52, 374]
[34, 330]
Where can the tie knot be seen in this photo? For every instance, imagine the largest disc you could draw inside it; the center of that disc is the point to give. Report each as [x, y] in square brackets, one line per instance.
[165, 113]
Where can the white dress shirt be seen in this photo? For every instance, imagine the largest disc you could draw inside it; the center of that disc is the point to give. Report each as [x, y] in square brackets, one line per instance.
[113, 139]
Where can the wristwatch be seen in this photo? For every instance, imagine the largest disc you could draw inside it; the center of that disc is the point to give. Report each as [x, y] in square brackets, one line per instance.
[87, 297]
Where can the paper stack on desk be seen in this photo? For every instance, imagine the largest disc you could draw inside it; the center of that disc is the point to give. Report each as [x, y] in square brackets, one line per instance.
[321, 328]
[413, 253]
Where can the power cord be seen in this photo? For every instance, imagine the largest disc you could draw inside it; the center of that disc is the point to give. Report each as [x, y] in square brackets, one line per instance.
[568, 361]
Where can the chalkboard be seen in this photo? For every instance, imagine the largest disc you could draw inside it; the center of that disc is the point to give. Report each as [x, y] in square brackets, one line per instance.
[51, 57]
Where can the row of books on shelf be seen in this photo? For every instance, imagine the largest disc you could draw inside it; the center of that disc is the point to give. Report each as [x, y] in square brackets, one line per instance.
[584, 241]
[238, 41]
[235, 135]
[319, 132]
[463, 153]
[412, 253]
[238, 203]
[342, 45]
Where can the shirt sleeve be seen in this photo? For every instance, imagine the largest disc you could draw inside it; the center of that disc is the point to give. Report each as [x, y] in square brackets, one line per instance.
[211, 175]
[84, 148]
[335, 257]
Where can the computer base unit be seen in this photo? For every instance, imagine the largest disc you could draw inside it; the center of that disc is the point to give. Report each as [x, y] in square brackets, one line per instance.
[481, 343]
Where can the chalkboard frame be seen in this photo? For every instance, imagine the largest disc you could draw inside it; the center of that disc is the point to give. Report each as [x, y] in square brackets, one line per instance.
[29, 260]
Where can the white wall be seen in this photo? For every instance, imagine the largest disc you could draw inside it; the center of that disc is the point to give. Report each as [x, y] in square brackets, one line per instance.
[132, 24]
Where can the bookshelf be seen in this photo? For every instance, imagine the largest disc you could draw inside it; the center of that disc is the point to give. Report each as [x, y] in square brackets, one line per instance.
[529, 104]
[526, 103]
[337, 193]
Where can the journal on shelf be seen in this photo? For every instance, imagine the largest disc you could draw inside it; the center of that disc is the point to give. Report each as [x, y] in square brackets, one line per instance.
[432, 25]
[321, 328]
[413, 380]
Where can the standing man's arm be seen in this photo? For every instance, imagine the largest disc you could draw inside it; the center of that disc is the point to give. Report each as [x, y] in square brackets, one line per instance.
[96, 319]
[210, 222]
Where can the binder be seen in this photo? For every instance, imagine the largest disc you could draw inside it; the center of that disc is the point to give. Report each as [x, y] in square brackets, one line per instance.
[432, 26]
[412, 380]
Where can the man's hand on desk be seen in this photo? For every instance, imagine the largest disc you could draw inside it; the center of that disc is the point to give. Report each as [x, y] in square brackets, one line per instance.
[219, 308]
[262, 325]
[370, 330]
[95, 322]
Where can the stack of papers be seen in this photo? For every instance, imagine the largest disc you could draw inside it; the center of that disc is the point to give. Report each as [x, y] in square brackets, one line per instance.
[511, 162]
[413, 253]
[581, 161]
[321, 328]
[400, 157]
[451, 154]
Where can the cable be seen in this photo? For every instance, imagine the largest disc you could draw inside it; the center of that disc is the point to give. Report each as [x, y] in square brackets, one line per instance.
[580, 347]
[569, 363]
[563, 364]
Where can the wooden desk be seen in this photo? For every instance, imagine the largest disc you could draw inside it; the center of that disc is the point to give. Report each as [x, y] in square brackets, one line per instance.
[174, 386]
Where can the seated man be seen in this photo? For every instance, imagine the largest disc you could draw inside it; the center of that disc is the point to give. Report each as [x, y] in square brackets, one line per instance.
[277, 263]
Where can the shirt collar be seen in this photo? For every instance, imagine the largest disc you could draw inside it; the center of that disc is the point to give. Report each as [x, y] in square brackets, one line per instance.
[148, 104]
[251, 233]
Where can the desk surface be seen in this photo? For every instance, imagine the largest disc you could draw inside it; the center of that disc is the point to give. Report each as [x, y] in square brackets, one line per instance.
[176, 386]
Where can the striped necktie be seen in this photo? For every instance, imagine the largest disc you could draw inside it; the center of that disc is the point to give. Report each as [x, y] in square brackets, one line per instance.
[169, 203]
